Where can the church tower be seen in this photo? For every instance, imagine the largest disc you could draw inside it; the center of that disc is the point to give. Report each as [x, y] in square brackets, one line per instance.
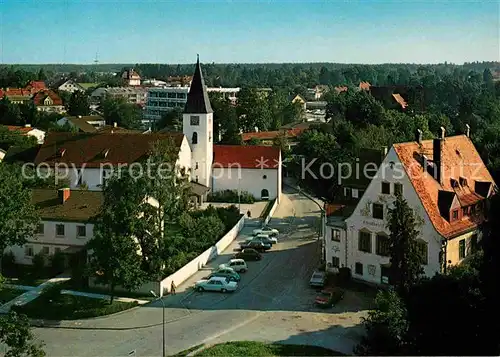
[197, 121]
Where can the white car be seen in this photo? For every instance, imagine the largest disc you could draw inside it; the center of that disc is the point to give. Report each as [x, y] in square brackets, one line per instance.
[238, 265]
[263, 238]
[266, 230]
[216, 283]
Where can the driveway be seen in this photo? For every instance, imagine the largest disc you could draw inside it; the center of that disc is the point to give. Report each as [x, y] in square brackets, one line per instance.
[273, 303]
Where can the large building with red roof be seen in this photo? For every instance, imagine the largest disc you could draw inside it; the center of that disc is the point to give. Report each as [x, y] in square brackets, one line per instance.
[446, 184]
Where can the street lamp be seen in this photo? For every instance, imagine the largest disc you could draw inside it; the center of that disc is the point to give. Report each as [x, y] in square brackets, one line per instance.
[163, 304]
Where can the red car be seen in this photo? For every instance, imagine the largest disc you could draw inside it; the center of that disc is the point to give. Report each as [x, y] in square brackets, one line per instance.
[329, 297]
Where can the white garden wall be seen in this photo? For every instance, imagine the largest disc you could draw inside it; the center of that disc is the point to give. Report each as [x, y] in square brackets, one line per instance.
[271, 212]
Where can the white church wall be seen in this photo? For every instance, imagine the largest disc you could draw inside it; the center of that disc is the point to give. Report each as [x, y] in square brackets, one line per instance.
[251, 180]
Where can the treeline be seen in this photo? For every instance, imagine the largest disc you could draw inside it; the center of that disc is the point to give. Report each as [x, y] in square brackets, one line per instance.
[287, 75]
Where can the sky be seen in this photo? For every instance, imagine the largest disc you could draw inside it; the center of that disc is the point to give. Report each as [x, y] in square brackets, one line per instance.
[221, 31]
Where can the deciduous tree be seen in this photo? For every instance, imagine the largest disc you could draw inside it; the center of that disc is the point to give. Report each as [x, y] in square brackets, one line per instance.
[16, 334]
[78, 104]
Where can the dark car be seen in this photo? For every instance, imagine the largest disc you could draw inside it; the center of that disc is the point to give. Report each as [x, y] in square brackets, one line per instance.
[248, 254]
[329, 297]
[257, 245]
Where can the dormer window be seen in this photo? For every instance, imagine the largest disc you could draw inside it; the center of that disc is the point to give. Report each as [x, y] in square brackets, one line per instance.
[104, 153]
[61, 152]
[463, 181]
[454, 215]
[454, 183]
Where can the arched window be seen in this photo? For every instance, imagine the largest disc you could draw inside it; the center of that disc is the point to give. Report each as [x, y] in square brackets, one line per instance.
[194, 139]
[264, 194]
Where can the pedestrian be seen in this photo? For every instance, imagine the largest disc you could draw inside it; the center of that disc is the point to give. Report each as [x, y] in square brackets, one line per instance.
[172, 288]
[249, 214]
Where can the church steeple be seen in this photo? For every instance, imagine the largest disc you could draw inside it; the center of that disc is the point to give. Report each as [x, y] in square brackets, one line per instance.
[197, 99]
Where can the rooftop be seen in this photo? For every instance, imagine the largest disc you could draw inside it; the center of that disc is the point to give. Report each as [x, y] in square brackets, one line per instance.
[197, 99]
[269, 135]
[246, 156]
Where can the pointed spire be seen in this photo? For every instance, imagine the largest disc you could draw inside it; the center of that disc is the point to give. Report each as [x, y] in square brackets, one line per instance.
[197, 99]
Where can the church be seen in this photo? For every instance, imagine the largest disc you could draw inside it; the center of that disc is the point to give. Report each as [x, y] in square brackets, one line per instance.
[92, 157]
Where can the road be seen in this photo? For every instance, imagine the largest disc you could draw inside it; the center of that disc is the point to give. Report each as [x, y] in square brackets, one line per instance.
[273, 303]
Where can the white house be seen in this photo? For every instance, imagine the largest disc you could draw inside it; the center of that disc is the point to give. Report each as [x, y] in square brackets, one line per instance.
[131, 77]
[446, 184]
[66, 222]
[27, 130]
[69, 85]
[83, 123]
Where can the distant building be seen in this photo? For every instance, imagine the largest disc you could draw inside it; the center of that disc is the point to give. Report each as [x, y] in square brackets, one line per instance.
[48, 101]
[133, 95]
[267, 137]
[2, 154]
[164, 99]
[179, 81]
[27, 130]
[68, 85]
[153, 83]
[84, 124]
[131, 77]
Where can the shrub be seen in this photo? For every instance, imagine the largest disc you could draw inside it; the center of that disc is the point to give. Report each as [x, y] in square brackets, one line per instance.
[231, 196]
[38, 265]
[57, 262]
[8, 261]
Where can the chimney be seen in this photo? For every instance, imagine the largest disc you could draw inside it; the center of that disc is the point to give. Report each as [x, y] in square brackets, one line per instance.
[64, 194]
[467, 130]
[115, 125]
[418, 136]
[437, 149]
[443, 132]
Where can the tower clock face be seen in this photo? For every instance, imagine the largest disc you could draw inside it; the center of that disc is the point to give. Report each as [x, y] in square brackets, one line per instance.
[194, 120]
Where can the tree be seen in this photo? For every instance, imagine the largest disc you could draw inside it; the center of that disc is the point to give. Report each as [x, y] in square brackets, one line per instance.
[117, 110]
[10, 113]
[386, 327]
[171, 120]
[41, 76]
[16, 334]
[18, 218]
[78, 104]
[14, 138]
[406, 260]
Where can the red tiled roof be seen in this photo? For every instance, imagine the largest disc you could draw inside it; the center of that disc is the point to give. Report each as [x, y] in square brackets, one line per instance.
[36, 86]
[87, 149]
[40, 97]
[459, 159]
[400, 100]
[364, 85]
[246, 156]
[21, 129]
[341, 89]
[269, 135]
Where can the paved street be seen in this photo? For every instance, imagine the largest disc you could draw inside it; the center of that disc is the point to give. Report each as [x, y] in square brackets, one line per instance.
[273, 303]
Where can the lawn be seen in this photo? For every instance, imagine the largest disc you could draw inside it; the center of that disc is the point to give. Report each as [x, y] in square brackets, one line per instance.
[7, 294]
[52, 305]
[251, 348]
[70, 285]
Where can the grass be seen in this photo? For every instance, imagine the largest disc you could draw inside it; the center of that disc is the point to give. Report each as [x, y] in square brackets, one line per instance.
[52, 305]
[7, 294]
[266, 211]
[71, 285]
[252, 348]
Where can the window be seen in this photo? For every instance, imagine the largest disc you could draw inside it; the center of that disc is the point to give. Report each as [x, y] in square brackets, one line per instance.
[171, 95]
[358, 269]
[455, 214]
[60, 230]
[335, 235]
[45, 250]
[378, 211]
[398, 189]
[81, 231]
[335, 262]
[196, 165]
[264, 177]
[383, 246]
[40, 228]
[194, 139]
[473, 244]
[196, 179]
[194, 120]
[355, 193]
[264, 194]
[422, 251]
[347, 192]
[28, 251]
[365, 242]
[461, 249]
[386, 188]
[209, 136]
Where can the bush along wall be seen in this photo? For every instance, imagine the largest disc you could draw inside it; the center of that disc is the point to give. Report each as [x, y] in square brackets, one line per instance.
[231, 196]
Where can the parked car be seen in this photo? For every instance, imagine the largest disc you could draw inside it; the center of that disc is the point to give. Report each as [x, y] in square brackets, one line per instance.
[248, 254]
[266, 230]
[317, 279]
[257, 245]
[228, 272]
[237, 264]
[263, 238]
[216, 283]
[329, 297]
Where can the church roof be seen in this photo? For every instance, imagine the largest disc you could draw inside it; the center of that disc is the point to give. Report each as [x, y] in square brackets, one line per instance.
[246, 156]
[197, 99]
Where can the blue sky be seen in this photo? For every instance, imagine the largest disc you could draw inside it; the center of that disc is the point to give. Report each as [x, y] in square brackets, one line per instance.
[168, 31]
